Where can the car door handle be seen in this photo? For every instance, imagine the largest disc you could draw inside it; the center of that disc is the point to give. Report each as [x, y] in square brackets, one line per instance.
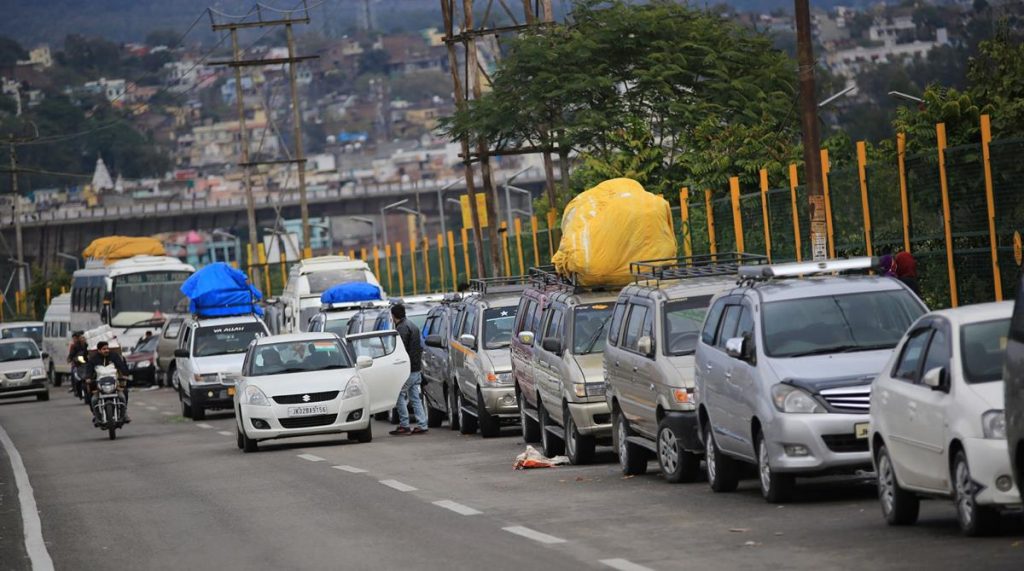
[728, 375]
[401, 361]
[708, 366]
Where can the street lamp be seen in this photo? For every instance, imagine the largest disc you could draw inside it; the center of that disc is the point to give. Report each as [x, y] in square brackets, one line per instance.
[529, 195]
[373, 228]
[440, 206]
[906, 96]
[508, 197]
[419, 216]
[384, 221]
[832, 98]
[326, 228]
[233, 238]
[78, 263]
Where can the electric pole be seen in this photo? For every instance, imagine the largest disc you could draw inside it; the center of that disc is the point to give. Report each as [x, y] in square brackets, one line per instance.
[809, 127]
[19, 243]
[300, 157]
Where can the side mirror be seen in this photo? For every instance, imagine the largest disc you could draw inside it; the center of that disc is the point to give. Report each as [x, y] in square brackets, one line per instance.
[552, 345]
[645, 345]
[937, 379]
[736, 348]
[182, 353]
[434, 341]
[363, 362]
[526, 337]
[468, 340]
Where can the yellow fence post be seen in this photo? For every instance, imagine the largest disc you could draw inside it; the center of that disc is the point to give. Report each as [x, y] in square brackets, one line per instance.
[862, 172]
[536, 245]
[826, 168]
[764, 215]
[283, 258]
[451, 259]
[401, 272]
[412, 264]
[940, 131]
[711, 224]
[737, 218]
[684, 221]
[504, 247]
[441, 262]
[249, 265]
[519, 244]
[49, 296]
[993, 239]
[376, 262]
[387, 265]
[265, 264]
[793, 183]
[352, 254]
[551, 232]
[465, 253]
[901, 157]
[426, 265]
[362, 254]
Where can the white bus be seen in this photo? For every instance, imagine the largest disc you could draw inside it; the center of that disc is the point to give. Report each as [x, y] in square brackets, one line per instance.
[310, 278]
[141, 290]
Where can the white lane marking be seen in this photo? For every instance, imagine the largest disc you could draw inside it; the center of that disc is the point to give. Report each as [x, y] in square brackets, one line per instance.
[167, 413]
[533, 534]
[31, 526]
[623, 565]
[457, 507]
[152, 408]
[203, 425]
[225, 433]
[311, 457]
[395, 484]
[140, 403]
[349, 469]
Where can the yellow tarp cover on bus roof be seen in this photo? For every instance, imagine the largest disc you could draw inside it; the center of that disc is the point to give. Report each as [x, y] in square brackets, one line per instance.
[113, 248]
[609, 226]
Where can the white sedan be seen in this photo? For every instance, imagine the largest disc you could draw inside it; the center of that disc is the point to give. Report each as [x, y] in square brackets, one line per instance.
[937, 421]
[315, 383]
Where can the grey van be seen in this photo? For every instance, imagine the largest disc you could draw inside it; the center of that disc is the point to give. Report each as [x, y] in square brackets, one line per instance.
[1013, 387]
[438, 379]
[785, 363]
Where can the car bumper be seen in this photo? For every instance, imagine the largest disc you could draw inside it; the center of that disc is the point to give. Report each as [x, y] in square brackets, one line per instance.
[989, 460]
[500, 401]
[829, 441]
[212, 396]
[343, 415]
[8, 389]
[592, 418]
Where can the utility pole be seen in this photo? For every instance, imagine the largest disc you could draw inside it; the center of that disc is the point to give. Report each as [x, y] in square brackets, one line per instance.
[307, 244]
[19, 243]
[809, 127]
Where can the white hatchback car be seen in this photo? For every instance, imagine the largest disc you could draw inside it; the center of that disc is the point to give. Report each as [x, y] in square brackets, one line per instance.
[937, 424]
[315, 383]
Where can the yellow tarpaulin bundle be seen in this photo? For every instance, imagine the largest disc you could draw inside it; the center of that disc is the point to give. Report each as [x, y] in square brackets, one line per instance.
[113, 248]
[609, 226]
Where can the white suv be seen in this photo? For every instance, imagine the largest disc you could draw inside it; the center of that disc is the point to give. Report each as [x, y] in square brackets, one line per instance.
[937, 421]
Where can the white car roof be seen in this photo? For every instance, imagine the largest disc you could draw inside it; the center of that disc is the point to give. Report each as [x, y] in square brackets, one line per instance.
[296, 338]
[21, 324]
[977, 313]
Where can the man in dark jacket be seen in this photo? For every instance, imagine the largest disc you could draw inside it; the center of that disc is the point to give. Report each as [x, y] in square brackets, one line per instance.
[410, 335]
[103, 358]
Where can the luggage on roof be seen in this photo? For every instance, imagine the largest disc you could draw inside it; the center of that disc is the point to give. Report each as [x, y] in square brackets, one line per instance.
[218, 290]
[113, 248]
[351, 292]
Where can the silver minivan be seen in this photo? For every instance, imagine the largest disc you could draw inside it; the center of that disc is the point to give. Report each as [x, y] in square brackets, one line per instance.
[785, 363]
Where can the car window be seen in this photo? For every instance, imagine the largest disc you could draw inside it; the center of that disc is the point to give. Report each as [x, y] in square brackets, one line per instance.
[745, 327]
[18, 351]
[226, 339]
[908, 366]
[553, 323]
[615, 326]
[938, 354]
[634, 326]
[498, 326]
[300, 357]
[711, 323]
[524, 315]
[983, 349]
[588, 325]
[428, 326]
[374, 347]
[173, 328]
[681, 324]
[468, 321]
[730, 320]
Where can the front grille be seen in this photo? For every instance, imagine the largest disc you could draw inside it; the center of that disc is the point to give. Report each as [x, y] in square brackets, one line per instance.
[299, 399]
[845, 443]
[308, 421]
[856, 399]
[14, 375]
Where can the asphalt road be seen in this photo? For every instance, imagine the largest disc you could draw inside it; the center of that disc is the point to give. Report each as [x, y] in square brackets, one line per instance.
[170, 493]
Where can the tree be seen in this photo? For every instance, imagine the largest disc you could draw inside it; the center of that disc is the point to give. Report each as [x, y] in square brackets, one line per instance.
[163, 37]
[11, 51]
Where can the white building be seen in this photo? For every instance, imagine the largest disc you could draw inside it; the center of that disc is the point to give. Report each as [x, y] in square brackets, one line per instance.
[112, 89]
[890, 30]
[848, 63]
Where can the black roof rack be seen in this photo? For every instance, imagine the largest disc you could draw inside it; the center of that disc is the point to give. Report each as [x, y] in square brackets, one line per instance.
[687, 267]
[546, 278]
[510, 284]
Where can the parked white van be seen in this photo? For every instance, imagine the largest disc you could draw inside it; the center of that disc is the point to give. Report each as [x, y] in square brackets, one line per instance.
[307, 279]
[57, 338]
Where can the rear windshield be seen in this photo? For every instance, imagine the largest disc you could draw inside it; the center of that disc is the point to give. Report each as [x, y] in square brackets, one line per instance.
[983, 346]
[498, 323]
[226, 339]
[589, 326]
[683, 319]
[18, 351]
[322, 280]
[838, 323]
[34, 332]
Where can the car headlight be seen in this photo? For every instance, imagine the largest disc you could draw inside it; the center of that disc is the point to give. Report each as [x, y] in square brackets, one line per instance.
[207, 378]
[788, 398]
[143, 364]
[584, 390]
[255, 397]
[231, 379]
[499, 378]
[993, 424]
[37, 372]
[353, 389]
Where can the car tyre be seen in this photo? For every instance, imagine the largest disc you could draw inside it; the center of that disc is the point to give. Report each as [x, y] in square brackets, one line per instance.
[453, 409]
[775, 487]
[677, 465]
[632, 457]
[551, 444]
[435, 418]
[198, 413]
[529, 426]
[899, 506]
[722, 471]
[186, 409]
[974, 520]
[362, 436]
[578, 447]
[240, 440]
[467, 422]
[490, 425]
[43, 396]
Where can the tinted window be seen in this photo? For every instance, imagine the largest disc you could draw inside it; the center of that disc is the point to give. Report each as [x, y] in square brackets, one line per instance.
[838, 323]
[589, 325]
[939, 352]
[634, 326]
[711, 323]
[523, 314]
[553, 323]
[615, 326]
[682, 321]
[34, 332]
[226, 339]
[983, 349]
[910, 360]
[173, 327]
[498, 326]
[468, 321]
[337, 326]
[729, 322]
[284, 358]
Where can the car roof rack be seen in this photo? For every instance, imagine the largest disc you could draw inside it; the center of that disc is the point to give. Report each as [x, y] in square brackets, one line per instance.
[510, 284]
[547, 279]
[699, 266]
[799, 269]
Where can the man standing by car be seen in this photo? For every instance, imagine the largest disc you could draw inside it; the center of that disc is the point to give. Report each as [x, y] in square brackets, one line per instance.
[410, 335]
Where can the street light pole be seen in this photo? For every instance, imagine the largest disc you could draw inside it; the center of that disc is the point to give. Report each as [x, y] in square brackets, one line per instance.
[809, 127]
[383, 220]
[419, 216]
[78, 264]
[373, 229]
[529, 195]
[440, 207]
[508, 195]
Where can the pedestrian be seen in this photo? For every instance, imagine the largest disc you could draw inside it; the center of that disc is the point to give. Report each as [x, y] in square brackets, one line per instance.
[410, 335]
[906, 271]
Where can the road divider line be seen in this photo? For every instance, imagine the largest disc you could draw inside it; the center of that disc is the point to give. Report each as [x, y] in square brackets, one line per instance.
[623, 565]
[152, 408]
[225, 433]
[167, 413]
[311, 457]
[140, 403]
[533, 534]
[31, 526]
[457, 507]
[203, 425]
[349, 469]
[396, 485]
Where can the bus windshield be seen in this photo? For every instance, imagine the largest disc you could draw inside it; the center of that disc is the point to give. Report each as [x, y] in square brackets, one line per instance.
[137, 296]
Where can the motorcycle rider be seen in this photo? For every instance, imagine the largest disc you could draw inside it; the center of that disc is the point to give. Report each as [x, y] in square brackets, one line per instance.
[102, 358]
[78, 348]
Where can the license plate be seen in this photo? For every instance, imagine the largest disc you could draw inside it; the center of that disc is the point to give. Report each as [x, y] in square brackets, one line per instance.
[231, 391]
[307, 410]
[860, 430]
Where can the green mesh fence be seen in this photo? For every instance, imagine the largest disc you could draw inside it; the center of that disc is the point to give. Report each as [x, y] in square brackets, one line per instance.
[927, 238]
[1008, 196]
[753, 224]
[724, 234]
[780, 225]
[972, 259]
[847, 211]
[885, 206]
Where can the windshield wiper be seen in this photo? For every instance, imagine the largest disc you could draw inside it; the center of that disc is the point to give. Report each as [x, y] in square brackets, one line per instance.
[875, 347]
[597, 336]
[827, 350]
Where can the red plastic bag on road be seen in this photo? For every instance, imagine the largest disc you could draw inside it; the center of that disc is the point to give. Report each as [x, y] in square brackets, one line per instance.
[531, 458]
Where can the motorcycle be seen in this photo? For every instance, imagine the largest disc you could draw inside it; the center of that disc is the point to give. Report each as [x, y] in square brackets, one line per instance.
[108, 402]
[78, 378]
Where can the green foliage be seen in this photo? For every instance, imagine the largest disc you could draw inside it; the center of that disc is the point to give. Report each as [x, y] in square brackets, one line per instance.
[11, 51]
[957, 110]
[40, 282]
[997, 80]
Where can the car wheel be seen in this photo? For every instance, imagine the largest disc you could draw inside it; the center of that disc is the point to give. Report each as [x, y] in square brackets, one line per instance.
[899, 507]
[974, 520]
[240, 439]
[552, 445]
[775, 487]
[172, 376]
[632, 457]
[186, 409]
[579, 448]
[677, 465]
[722, 471]
[453, 409]
[528, 426]
[43, 396]
[435, 418]
[55, 378]
[362, 436]
[490, 426]
[249, 445]
[467, 422]
[198, 413]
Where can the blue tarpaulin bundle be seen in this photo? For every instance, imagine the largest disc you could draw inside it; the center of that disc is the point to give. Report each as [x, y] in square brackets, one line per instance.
[351, 291]
[218, 290]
